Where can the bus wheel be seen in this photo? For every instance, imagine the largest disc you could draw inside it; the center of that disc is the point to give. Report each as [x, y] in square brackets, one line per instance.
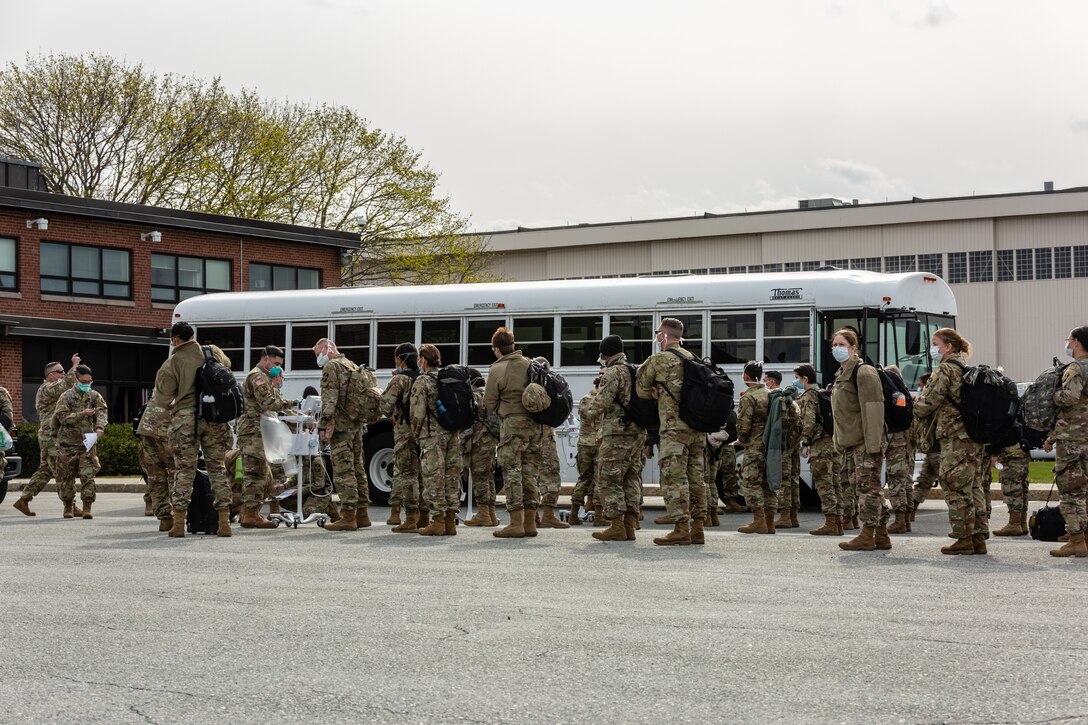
[378, 459]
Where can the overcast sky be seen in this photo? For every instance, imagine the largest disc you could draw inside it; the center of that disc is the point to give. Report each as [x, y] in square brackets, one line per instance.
[544, 113]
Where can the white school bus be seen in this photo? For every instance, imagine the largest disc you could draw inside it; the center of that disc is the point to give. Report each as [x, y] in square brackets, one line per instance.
[781, 319]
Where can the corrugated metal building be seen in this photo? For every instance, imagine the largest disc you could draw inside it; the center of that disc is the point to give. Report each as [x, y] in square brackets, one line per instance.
[1018, 263]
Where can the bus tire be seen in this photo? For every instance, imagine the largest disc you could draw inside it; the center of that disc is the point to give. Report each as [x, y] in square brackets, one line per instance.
[378, 460]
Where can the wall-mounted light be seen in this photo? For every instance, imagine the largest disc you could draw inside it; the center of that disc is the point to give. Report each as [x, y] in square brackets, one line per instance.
[151, 237]
[41, 223]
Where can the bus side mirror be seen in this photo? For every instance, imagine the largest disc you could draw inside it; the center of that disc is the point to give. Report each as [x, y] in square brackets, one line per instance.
[914, 337]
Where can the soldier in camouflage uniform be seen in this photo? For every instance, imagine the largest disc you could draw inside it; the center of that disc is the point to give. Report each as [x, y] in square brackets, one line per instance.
[819, 447]
[586, 459]
[899, 457]
[619, 462]
[752, 416]
[1070, 441]
[439, 449]
[519, 451]
[927, 476]
[789, 494]
[727, 465]
[80, 410]
[1013, 462]
[478, 450]
[156, 460]
[681, 448]
[45, 402]
[960, 464]
[261, 397]
[7, 420]
[551, 481]
[345, 438]
[407, 487]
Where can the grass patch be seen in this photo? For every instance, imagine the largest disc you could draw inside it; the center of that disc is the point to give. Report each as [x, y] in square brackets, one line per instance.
[1038, 472]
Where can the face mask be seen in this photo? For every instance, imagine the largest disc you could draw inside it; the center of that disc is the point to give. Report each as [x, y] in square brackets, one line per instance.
[279, 386]
[83, 387]
[662, 341]
[322, 359]
[935, 353]
[1068, 351]
[601, 362]
[841, 354]
[275, 372]
[799, 384]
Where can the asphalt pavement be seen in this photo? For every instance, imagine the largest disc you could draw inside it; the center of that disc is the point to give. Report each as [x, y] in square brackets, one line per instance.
[110, 621]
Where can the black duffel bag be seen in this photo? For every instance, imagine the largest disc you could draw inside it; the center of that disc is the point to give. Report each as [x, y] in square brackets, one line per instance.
[1047, 524]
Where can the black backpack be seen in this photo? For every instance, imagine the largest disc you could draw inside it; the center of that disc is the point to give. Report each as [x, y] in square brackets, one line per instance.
[201, 517]
[898, 403]
[824, 413]
[456, 405]
[988, 405]
[1047, 523]
[562, 401]
[218, 394]
[706, 395]
[640, 411]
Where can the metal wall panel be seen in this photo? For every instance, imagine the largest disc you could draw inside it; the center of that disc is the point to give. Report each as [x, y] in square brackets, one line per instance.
[1033, 320]
[933, 237]
[705, 253]
[601, 259]
[1042, 231]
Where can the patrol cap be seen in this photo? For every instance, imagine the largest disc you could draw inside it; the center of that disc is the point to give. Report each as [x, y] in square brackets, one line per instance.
[611, 345]
[535, 398]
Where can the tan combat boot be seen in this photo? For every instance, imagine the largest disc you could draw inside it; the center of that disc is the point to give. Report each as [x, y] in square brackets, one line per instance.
[274, 507]
[23, 507]
[901, 525]
[714, 520]
[1076, 547]
[252, 519]
[783, 519]
[166, 523]
[574, 519]
[679, 536]
[697, 535]
[424, 519]
[437, 527]
[528, 522]
[332, 512]
[630, 524]
[865, 541]
[978, 541]
[662, 519]
[494, 517]
[830, 528]
[838, 525]
[515, 530]
[394, 516]
[758, 525]
[87, 508]
[881, 539]
[768, 516]
[148, 511]
[962, 547]
[913, 510]
[482, 518]
[1013, 528]
[177, 530]
[732, 507]
[794, 523]
[450, 522]
[410, 524]
[362, 517]
[224, 523]
[77, 512]
[598, 516]
[551, 521]
[614, 532]
[345, 523]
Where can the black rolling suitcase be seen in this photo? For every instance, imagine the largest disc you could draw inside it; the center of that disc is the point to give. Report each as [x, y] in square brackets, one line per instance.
[202, 518]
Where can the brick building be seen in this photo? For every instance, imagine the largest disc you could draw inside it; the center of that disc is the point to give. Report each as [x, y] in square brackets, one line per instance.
[102, 278]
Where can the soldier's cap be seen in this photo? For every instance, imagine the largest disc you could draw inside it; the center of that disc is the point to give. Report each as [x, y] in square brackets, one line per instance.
[611, 345]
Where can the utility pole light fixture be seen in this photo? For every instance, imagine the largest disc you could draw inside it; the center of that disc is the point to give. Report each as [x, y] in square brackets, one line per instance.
[41, 223]
[151, 237]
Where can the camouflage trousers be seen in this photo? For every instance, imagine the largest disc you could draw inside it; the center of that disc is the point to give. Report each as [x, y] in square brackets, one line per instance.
[928, 476]
[1071, 477]
[848, 485]
[1014, 483]
[255, 470]
[619, 471]
[959, 473]
[440, 465]
[71, 462]
[157, 462]
[550, 480]
[48, 452]
[822, 462]
[789, 493]
[519, 457]
[683, 483]
[980, 493]
[900, 465]
[480, 461]
[186, 439]
[873, 510]
[406, 483]
[348, 469]
[585, 489]
[712, 461]
[753, 480]
[727, 464]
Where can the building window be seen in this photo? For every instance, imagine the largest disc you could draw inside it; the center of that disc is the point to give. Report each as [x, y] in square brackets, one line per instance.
[981, 266]
[776, 267]
[1025, 270]
[580, 340]
[840, 263]
[957, 267]
[8, 269]
[1080, 261]
[755, 268]
[175, 278]
[1063, 262]
[1043, 265]
[738, 270]
[931, 263]
[69, 269]
[733, 337]
[871, 264]
[901, 263]
[275, 277]
[1006, 265]
[719, 270]
[791, 267]
[810, 266]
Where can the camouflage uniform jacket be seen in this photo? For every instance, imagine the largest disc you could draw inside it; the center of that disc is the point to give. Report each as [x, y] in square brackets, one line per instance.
[507, 379]
[615, 391]
[858, 410]
[155, 421]
[479, 434]
[945, 384]
[791, 423]
[334, 389]
[396, 401]
[755, 406]
[6, 406]
[588, 435]
[424, 414]
[1012, 453]
[261, 396]
[175, 382]
[811, 428]
[45, 402]
[1072, 401]
[70, 419]
[664, 371]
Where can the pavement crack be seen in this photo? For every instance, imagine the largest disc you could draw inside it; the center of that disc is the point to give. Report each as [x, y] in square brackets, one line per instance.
[120, 686]
[136, 711]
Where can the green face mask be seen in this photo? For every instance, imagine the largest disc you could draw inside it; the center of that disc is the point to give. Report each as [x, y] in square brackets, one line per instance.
[83, 387]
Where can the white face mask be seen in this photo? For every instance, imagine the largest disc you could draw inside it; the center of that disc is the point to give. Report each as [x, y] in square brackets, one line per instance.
[322, 359]
[662, 340]
[1068, 351]
[841, 354]
[935, 353]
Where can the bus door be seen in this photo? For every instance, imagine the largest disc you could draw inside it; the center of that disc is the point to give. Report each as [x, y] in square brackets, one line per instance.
[902, 345]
